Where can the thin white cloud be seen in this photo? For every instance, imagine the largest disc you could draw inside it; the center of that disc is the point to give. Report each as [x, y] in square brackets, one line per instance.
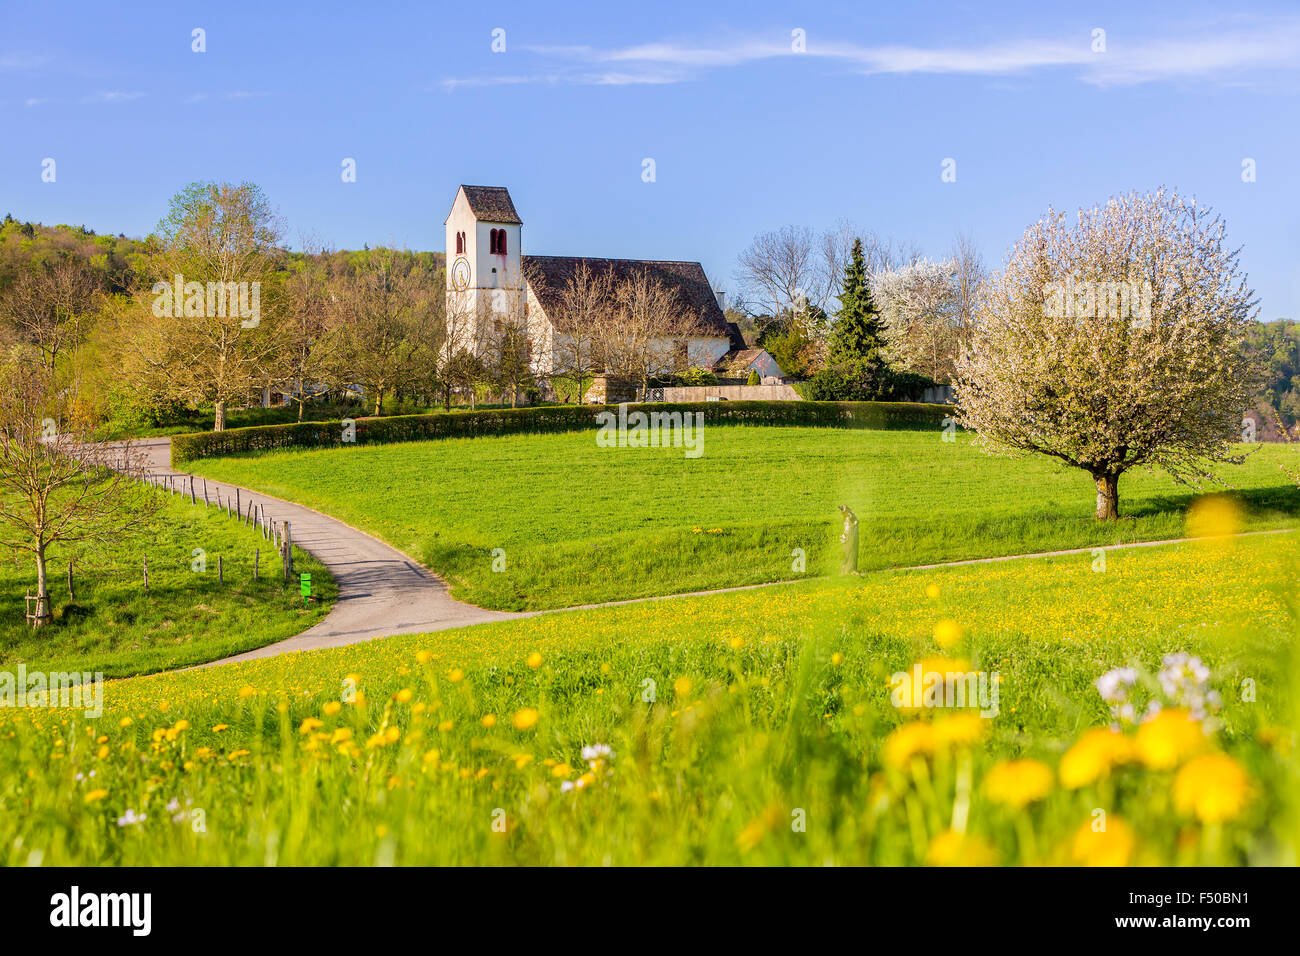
[112, 96]
[1221, 56]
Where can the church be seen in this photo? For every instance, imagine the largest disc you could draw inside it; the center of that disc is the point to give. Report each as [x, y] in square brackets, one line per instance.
[490, 282]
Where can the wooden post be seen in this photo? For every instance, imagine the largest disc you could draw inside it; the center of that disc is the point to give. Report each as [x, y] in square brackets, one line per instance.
[257, 554]
[236, 499]
[205, 492]
[221, 571]
[71, 594]
[288, 551]
[146, 572]
[192, 499]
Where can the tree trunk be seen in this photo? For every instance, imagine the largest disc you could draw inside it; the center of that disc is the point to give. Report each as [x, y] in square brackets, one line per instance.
[219, 415]
[1107, 496]
[43, 615]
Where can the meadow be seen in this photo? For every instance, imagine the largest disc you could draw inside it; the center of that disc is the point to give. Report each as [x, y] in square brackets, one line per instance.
[546, 521]
[112, 625]
[761, 726]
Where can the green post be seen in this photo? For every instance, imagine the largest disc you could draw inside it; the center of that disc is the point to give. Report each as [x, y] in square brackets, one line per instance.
[304, 582]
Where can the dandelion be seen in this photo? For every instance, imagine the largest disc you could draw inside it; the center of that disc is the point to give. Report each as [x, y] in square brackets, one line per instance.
[534, 660]
[443, 727]
[947, 633]
[247, 691]
[1168, 738]
[310, 724]
[423, 657]
[525, 719]
[1213, 788]
[455, 675]
[932, 591]
[960, 730]
[951, 848]
[1093, 756]
[93, 795]
[1109, 843]
[560, 770]
[1018, 783]
[489, 720]
[102, 752]
[837, 659]
[908, 741]
[218, 728]
[682, 686]
[331, 708]
[403, 696]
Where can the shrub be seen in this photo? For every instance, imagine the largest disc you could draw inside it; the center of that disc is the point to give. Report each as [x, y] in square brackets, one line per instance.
[547, 418]
[753, 378]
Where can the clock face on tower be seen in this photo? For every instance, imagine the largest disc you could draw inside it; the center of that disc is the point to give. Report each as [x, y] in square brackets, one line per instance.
[460, 274]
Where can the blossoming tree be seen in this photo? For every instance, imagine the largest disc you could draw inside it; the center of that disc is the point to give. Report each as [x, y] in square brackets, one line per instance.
[1114, 342]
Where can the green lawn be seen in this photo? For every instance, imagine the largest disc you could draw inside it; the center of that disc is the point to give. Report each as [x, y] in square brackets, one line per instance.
[186, 617]
[749, 727]
[580, 524]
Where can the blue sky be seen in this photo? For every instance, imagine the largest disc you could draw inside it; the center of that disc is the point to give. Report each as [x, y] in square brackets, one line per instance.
[746, 134]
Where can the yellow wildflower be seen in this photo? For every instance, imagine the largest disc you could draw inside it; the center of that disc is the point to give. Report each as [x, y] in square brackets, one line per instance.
[1093, 756]
[1112, 845]
[1018, 783]
[1169, 738]
[1213, 788]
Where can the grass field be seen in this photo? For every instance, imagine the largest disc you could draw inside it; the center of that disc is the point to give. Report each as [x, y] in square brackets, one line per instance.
[749, 727]
[187, 617]
[576, 523]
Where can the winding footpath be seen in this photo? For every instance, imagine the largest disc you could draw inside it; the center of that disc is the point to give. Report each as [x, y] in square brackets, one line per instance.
[383, 591]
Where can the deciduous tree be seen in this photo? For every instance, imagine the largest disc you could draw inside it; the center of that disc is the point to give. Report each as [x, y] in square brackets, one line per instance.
[1115, 342]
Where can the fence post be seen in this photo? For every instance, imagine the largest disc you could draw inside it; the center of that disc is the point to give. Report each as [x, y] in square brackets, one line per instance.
[288, 551]
[192, 499]
[257, 554]
[221, 571]
[237, 509]
[71, 595]
[205, 492]
[146, 572]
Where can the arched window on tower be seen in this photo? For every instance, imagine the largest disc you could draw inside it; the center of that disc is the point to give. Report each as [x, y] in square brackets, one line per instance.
[460, 243]
[494, 240]
[501, 241]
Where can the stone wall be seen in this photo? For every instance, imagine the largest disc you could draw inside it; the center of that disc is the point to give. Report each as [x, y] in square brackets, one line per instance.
[731, 393]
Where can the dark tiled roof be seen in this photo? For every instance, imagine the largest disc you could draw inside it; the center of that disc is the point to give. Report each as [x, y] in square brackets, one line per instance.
[738, 361]
[492, 204]
[548, 276]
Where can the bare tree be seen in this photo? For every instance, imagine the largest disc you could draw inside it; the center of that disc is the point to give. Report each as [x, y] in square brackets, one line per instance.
[56, 488]
[782, 271]
[648, 330]
[971, 272]
[48, 304]
[1115, 342]
[582, 322]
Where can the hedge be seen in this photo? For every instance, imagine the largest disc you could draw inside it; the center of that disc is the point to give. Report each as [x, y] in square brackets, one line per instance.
[550, 418]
